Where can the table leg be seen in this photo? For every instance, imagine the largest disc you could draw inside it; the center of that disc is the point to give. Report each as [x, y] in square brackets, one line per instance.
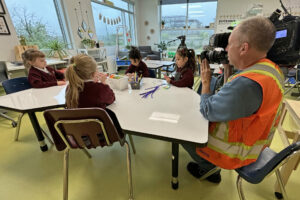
[175, 183]
[37, 130]
[159, 73]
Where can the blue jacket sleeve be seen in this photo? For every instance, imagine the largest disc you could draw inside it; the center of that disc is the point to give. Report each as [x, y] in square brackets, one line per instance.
[239, 98]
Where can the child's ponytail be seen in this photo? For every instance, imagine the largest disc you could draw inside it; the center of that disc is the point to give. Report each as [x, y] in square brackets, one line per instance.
[76, 85]
[190, 54]
[192, 59]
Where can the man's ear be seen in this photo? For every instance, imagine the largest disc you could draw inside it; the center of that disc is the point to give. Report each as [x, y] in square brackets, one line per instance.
[244, 48]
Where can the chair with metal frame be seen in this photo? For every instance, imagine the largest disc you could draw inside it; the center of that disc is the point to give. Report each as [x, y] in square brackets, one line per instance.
[84, 128]
[17, 85]
[267, 163]
[3, 77]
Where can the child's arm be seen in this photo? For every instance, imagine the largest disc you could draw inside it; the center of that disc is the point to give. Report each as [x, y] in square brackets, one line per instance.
[130, 69]
[187, 80]
[36, 81]
[145, 70]
[107, 96]
[59, 75]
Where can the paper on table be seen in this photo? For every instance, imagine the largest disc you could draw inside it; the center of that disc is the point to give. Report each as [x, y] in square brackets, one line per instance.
[166, 117]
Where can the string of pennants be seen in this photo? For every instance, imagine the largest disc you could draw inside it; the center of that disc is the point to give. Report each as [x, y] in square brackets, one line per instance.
[107, 20]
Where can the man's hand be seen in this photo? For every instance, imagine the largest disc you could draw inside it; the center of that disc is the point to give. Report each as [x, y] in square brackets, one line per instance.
[205, 76]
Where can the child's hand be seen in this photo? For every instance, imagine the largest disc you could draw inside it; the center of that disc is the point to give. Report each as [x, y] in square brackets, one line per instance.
[102, 77]
[61, 83]
[167, 78]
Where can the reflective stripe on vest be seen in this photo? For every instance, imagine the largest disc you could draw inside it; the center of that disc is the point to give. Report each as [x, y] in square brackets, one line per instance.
[233, 152]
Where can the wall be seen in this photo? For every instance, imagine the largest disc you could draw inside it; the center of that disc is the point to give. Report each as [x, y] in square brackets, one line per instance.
[69, 6]
[8, 42]
[236, 10]
[147, 10]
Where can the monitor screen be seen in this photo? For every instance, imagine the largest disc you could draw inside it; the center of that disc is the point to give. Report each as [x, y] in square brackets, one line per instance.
[281, 34]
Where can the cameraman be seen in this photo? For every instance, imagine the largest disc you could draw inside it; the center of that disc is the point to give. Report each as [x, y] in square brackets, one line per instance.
[245, 111]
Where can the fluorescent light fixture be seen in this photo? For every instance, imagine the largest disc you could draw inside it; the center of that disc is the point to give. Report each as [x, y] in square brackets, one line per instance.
[195, 6]
[193, 16]
[165, 117]
[199, 11]
[192, 6]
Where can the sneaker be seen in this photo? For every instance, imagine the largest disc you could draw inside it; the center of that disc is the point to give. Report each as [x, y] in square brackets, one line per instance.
[198, 172]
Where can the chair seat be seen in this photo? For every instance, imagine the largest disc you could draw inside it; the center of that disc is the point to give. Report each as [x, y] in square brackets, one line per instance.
[266, 162]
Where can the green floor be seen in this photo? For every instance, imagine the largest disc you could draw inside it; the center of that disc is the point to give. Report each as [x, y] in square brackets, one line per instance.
[27, 173]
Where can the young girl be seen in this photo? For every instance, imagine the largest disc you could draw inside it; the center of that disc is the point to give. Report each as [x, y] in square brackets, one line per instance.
[137, 65]
[186, 63]
[39, 75]
[84, 90]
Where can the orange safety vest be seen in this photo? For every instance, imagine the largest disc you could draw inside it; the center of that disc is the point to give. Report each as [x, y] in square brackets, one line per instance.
[237, 143]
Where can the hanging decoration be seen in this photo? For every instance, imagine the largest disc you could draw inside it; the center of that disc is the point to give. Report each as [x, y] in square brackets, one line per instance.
[90, 32]
[83, 24]
[110, 21]
[80, 31]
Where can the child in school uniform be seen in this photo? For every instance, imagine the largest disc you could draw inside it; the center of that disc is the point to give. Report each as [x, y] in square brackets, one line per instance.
[40, 75]
[186, 64]
[84, 89]
[137, 65]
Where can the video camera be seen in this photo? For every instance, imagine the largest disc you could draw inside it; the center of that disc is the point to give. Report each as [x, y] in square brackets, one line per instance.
[285, 50]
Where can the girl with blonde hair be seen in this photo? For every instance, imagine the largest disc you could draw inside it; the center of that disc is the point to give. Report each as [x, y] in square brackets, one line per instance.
[39, 74]
[87, 87]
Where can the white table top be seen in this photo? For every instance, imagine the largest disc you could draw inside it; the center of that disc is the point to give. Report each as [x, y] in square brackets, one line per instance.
[153, 66]
[34, 99]
[172, 114]
[50, 62]
[159, 62]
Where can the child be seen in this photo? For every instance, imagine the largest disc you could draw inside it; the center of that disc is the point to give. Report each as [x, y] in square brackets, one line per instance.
[137, 65]
[186, 63]
[84, 90]
[40, 76]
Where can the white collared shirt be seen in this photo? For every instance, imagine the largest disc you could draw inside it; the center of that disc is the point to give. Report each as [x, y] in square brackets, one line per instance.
[43, 70]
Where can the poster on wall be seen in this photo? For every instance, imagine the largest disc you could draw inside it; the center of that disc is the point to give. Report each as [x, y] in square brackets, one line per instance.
[3, 26]
[2, 11]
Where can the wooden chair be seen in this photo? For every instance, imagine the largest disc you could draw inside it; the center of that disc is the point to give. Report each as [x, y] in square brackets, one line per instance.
[84, 128]
[293, 108]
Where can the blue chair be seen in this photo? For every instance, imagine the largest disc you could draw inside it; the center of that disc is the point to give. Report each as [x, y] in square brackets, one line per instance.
[3, 77]
[17, 85]
[267, 162]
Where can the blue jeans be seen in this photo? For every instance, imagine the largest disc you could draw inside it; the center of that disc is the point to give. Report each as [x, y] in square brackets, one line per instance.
[204, 164]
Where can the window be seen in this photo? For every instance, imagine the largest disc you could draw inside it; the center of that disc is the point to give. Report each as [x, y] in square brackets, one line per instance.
[114, 26]
[39, 24]
[188, 17]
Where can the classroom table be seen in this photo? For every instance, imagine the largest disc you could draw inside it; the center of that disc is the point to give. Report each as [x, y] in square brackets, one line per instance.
[35, 100]
[157, 65]
[13, 70]
[170, 114]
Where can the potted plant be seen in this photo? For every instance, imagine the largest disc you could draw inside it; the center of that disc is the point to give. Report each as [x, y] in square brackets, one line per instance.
[162, 24]
[88, 43]
[57, 48]
[162, 46]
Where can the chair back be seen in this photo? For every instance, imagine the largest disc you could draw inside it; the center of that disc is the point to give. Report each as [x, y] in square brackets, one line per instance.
[16, 85]
[82, 127]
[3, 73]
[267, 162]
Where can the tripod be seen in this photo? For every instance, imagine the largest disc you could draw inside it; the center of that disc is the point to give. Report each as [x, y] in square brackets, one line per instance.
[181, 45]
